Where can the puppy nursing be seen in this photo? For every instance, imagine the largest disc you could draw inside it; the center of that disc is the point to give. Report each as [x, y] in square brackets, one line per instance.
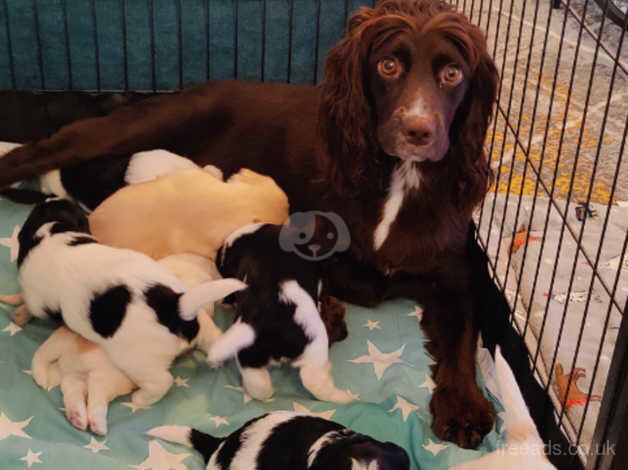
[276, 315]
[122, 300]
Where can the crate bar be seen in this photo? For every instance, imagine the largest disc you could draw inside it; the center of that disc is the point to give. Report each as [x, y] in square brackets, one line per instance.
[207, 13]
[595, 36]
[317, 42]
[153, 52]
[124, 45]
[569, 192]
[611, 423]
[263, 51]
[527, 159]
[498, 104]
[588, 199]
[66, 34]
[290, 26]
[9, 44]
[510, 101]
[490, 152]
[599, 354]
[180, 41]
[236, 10]
[96, 45]
[518, 129]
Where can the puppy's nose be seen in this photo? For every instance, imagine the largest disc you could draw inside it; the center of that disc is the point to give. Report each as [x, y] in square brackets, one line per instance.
[314, 248]
[418, 130]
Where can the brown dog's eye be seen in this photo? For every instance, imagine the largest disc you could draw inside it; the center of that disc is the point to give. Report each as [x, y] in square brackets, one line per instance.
[389, 67]
[451, 75]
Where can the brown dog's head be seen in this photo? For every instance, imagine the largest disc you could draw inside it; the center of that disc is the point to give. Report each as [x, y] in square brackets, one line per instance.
[411, 80]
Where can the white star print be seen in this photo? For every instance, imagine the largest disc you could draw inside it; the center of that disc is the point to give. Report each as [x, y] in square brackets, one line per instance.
[433, 447]
[134, 407]
[405, 406]
[417, 312]
[160, 459]
[428, 383]
[219, 421]
[31, 457]
[372, 325]
[12, 329]
[12, 428]
[181, 382]
[96, 446]
[380, 360]
[12, 243]
[299, 408]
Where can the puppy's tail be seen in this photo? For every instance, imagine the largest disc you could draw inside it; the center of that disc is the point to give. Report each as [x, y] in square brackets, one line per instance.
[189, 437]
[519, 423]
[197, 297]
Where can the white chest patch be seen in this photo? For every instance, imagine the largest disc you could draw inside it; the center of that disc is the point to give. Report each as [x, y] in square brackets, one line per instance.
[404, 178]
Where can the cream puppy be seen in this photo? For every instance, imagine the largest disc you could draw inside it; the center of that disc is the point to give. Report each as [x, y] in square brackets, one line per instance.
[189, 211]
[88, 378]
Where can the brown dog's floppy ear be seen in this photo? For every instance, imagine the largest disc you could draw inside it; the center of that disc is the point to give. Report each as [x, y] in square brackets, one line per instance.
[468, 132]
[345, 116]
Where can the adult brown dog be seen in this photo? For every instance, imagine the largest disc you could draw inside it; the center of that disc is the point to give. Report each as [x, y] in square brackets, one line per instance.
[392, 141]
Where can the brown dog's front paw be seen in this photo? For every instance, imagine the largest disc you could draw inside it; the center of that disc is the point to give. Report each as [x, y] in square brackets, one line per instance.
[461, 419]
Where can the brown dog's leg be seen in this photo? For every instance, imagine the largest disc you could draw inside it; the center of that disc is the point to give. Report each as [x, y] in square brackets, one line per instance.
[460, 412]
[152, 123]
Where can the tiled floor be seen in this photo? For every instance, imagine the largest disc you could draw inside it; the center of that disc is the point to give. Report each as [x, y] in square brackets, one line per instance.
[559, 122]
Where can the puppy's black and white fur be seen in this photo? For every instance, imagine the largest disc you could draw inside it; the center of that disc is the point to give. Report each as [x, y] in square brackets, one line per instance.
[288, 440]
[276, 315]
[92, 181]
[122, 300]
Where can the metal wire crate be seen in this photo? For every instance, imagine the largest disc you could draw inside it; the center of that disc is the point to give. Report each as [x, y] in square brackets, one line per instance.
[556, 145]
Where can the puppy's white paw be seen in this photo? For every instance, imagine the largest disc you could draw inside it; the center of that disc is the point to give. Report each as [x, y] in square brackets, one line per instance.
[21, 315]
[77, 416]
[98, 420]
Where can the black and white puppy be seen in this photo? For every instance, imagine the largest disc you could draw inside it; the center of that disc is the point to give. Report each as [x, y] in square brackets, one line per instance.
[126, 302]
[92, 181]
[276, 315]
[288, 440]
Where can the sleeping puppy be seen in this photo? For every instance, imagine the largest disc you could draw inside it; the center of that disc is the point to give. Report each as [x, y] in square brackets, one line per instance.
[276, 315]
[189, 211]
[288, 440]
[88, 378]
[120, 299]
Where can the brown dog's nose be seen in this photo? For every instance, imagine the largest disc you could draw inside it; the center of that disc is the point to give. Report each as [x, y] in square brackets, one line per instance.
[418, 130]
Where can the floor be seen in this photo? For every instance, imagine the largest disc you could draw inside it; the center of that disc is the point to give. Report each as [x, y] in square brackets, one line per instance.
[570, 131]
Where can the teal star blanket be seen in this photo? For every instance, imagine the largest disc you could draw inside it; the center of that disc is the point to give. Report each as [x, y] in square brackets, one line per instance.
[383, 362]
